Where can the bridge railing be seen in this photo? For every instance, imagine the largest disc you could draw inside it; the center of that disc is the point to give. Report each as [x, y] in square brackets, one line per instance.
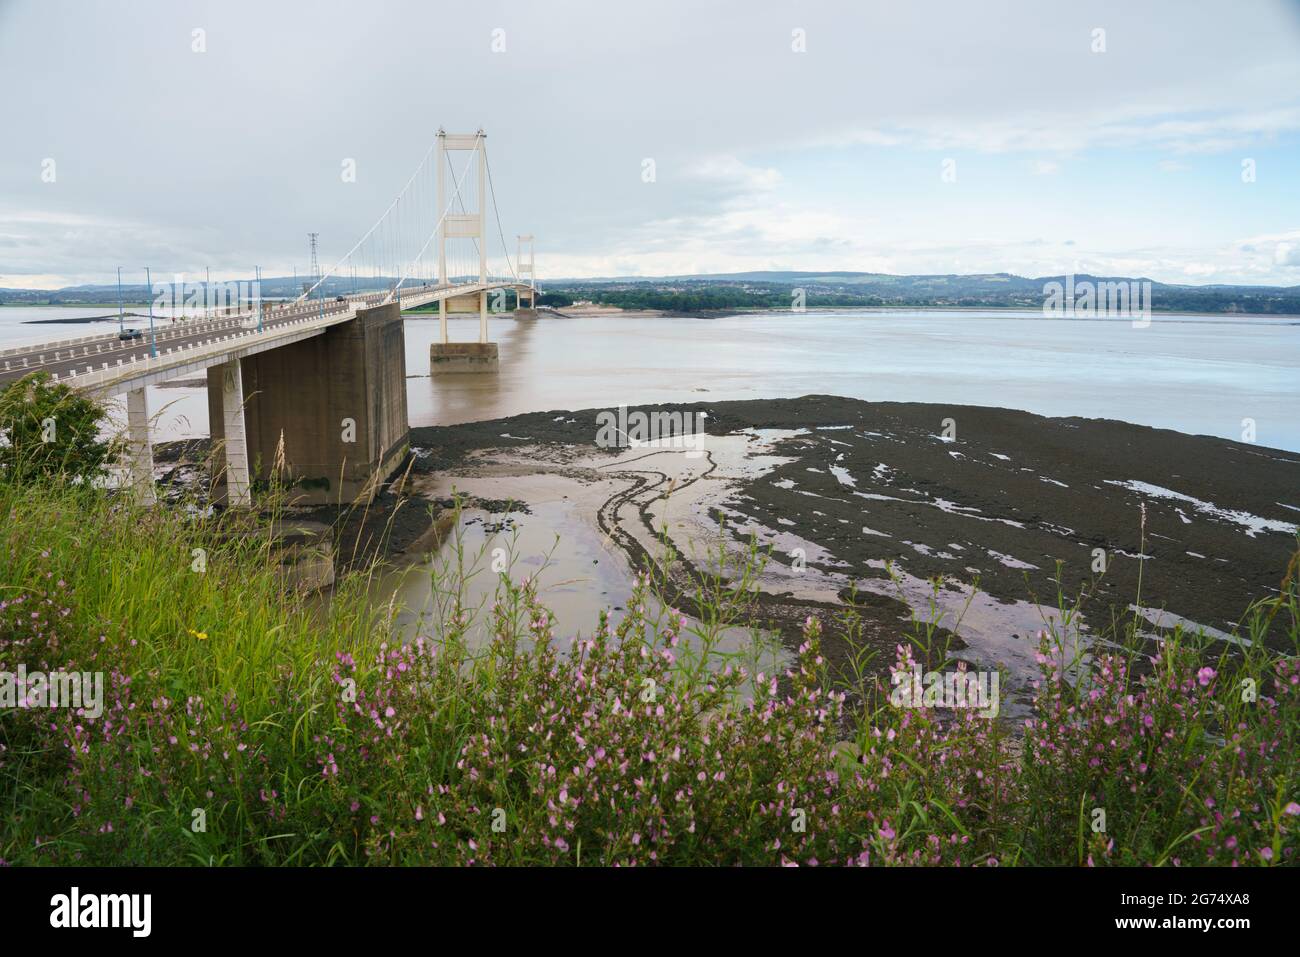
[102, 370]
[125, 369]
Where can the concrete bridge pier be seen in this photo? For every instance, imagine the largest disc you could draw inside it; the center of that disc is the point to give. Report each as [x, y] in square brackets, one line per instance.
[336, 401]
[527, 268]
[238, 492]
[451, 357]
[529, 311]
[139, 446]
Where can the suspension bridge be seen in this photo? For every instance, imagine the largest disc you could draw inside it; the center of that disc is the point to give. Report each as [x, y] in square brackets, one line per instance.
[319, 383]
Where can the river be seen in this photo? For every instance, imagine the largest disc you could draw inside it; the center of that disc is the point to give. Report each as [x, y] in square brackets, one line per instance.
[1200, 375]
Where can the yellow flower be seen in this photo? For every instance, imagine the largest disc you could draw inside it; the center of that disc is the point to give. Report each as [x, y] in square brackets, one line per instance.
[200, 635]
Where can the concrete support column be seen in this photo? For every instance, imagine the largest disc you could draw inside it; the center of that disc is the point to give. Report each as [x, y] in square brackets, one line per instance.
[442, 318]
[482, 316]
[236, 438]
[140, 448]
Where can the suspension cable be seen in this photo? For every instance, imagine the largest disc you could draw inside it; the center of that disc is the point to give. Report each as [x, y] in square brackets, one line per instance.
[496, 210]
[332, 269]
[437, 226]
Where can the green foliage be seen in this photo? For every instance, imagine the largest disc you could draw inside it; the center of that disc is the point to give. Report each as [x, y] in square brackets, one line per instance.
[51, 430]
[301, 733]
[556, 299]
[893, 292]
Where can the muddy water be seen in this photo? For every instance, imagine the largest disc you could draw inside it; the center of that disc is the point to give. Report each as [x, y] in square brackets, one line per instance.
[577, 573]
[1198, 375]
[543, 526]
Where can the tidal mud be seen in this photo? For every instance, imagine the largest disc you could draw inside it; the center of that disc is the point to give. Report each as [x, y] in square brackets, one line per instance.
[866, 503]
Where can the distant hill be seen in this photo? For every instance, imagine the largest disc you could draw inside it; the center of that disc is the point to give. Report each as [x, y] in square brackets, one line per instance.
[775, 289]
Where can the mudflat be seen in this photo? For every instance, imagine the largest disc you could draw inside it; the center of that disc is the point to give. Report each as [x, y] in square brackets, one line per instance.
[1020, 506]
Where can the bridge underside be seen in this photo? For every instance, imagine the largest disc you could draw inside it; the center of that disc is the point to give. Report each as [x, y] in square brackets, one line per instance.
[328, 377]
[326, 415]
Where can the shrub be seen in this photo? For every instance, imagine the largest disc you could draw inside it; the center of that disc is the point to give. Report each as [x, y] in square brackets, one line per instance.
[50, 430]
[243, 726]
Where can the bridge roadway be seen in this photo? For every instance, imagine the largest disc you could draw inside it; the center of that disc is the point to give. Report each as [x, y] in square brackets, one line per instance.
[106, 365]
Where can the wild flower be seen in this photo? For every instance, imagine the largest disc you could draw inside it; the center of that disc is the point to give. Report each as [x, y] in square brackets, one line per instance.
[627, 747]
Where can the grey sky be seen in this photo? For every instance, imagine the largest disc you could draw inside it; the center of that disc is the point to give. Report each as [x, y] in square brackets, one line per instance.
[1128, 160]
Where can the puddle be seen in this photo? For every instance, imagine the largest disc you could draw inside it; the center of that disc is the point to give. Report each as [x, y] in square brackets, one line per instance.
[1253, 524]
[554, 540]
[1168, 620]
[578, 574]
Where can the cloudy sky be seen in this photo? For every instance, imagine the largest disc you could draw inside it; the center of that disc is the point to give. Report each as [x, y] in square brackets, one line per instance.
[903, 137]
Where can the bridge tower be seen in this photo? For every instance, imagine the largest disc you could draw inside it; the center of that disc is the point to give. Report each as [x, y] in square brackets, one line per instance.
[445, 356]
[468, 225]
[527, 273]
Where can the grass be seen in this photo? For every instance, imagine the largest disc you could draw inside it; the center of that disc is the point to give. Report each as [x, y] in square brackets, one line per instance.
[245, 725]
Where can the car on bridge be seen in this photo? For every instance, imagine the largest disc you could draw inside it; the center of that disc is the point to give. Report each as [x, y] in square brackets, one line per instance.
[128, 334]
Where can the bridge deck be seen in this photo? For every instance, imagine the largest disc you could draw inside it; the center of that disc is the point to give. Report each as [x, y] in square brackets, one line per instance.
[105, 365]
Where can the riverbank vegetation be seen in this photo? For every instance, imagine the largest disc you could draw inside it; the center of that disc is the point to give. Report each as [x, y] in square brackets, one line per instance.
[784, 291]
[775, 290]
[243, 724]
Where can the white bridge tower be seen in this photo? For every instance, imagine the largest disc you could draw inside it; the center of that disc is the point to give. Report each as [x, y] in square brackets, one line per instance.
[463, 225]
[527, 272]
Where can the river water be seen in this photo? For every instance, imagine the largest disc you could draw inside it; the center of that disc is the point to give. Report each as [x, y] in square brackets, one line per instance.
[1195, 375]
[1200, 375]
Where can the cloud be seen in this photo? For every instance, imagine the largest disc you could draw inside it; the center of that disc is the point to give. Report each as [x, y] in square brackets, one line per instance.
[732, 173]
[231, 157]
[1189, 131]
[1278, 250]
[1287, 254]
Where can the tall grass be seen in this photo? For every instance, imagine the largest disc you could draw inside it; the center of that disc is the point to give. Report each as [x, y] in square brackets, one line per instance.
[243, 725]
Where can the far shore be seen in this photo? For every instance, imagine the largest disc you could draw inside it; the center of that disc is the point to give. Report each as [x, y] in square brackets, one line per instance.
[605, 312]
[1025, 312]
[81, 320]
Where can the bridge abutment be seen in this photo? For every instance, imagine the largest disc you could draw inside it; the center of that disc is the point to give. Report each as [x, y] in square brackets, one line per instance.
[331, 409]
